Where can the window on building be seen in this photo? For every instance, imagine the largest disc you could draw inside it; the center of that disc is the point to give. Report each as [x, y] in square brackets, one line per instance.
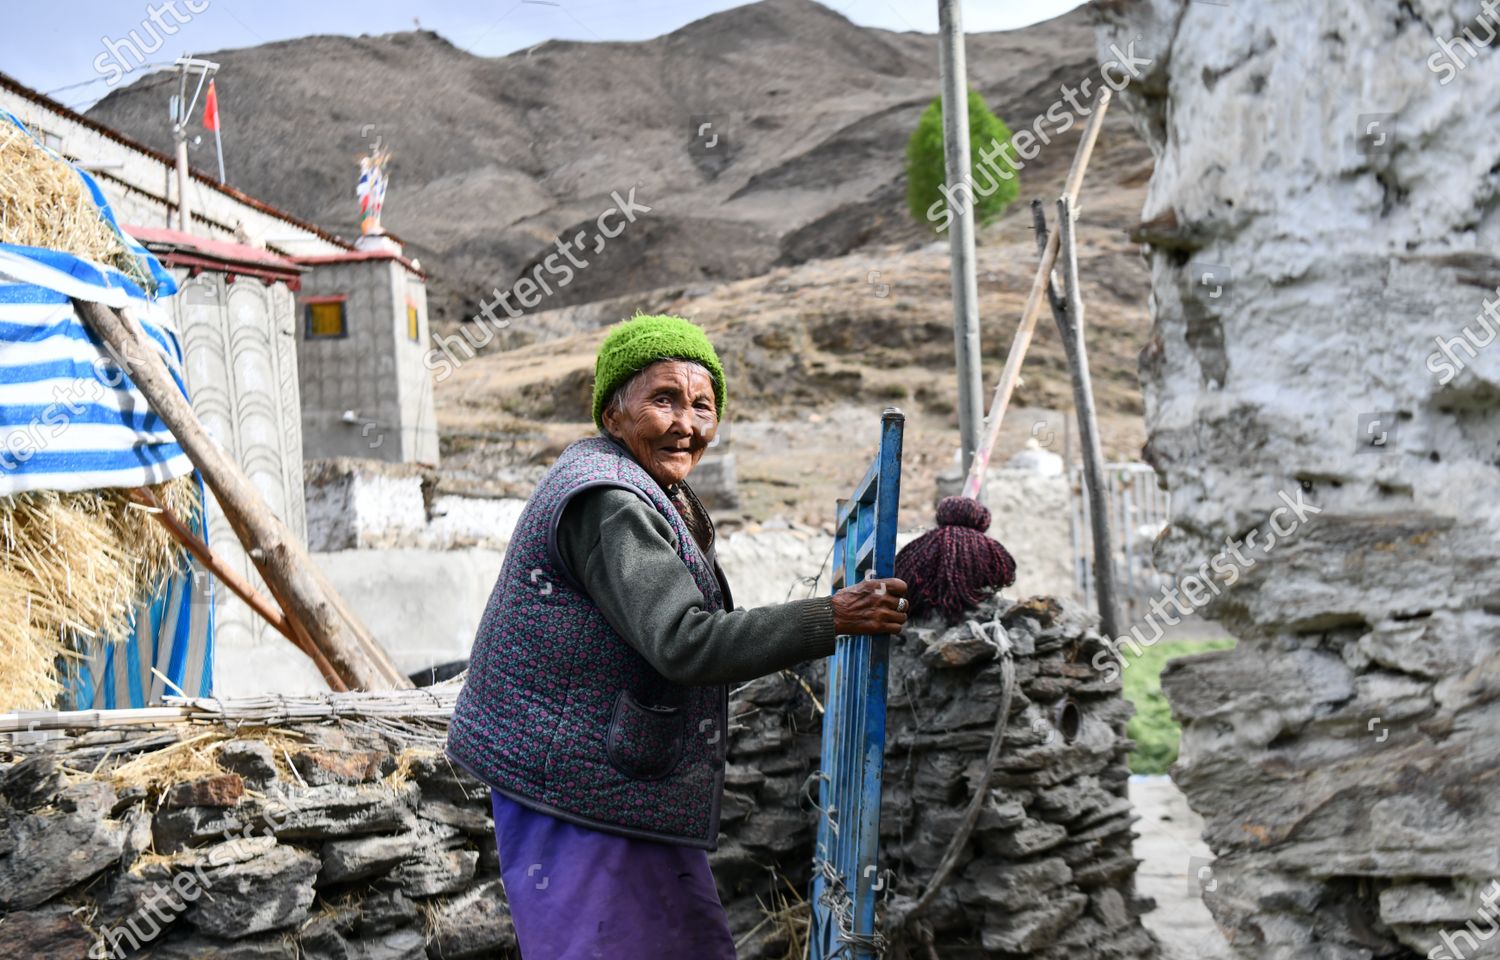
[325, 317]
[413, 325]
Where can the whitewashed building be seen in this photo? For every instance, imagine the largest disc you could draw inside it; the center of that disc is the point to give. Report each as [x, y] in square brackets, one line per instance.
[241, 268]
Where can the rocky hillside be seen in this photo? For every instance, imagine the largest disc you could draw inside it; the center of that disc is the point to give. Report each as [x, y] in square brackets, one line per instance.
[814, 351]
[762, 135]
[783, 228]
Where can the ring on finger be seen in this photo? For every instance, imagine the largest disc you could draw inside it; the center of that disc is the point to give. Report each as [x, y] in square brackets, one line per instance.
[901, 605]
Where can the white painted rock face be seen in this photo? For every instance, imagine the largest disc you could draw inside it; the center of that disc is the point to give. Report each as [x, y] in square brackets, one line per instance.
[1322, 230]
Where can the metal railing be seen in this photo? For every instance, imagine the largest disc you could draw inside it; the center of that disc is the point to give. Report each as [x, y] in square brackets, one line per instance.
[1138, 511]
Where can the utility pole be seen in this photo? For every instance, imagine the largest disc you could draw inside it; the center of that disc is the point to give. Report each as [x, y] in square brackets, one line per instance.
[961, 226]
[182, 110]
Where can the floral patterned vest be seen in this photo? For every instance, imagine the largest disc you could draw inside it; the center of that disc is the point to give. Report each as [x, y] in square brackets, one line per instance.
[559, 713]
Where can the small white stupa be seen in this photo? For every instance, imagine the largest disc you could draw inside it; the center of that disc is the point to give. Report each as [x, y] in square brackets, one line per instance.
[1034, 458]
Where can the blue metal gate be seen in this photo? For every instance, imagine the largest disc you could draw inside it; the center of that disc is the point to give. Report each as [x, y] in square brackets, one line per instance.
[853, 758]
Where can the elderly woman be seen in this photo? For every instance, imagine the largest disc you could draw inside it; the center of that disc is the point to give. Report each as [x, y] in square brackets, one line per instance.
[596, 704]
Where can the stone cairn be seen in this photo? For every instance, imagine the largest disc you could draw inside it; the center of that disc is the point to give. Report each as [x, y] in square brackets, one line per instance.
[308, 840]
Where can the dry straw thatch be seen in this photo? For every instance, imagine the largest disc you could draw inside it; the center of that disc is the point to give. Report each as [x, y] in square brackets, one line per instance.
[72, 565]
[44, 203]
[197, 756]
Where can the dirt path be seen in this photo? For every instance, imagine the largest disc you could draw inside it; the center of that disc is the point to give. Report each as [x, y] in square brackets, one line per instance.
[1173, 853]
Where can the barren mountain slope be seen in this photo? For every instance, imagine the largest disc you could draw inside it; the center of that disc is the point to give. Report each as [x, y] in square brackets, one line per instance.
[813, 351]
[788, 238]
[807, 114]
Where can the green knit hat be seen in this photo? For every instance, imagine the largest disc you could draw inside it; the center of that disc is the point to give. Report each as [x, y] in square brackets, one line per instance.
[637, 343]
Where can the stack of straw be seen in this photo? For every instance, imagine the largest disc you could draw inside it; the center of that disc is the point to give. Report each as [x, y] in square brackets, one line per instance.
[72, 565]
[44, 203]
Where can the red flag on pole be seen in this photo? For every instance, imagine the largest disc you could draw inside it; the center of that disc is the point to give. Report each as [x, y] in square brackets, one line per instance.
[211, 122]
[211, 109]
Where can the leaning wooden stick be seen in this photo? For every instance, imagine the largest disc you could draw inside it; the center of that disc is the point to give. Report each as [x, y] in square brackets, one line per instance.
[282, 561]
[1027, 326]
[237, 584]
[362, 635]
[1067, 309]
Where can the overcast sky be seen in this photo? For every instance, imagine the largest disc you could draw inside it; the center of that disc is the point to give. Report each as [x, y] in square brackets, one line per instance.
[54, 47]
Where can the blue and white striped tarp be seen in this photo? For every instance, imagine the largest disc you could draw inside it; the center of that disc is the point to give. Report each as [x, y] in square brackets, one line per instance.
[173, 633]
[71, 420]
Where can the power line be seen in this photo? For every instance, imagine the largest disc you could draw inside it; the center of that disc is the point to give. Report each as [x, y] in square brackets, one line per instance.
[135, 89]
[85, 83]
[248, 29]
[74, 86]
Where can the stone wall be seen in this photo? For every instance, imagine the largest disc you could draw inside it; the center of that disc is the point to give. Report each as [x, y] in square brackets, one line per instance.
[1047, 872]
[312, 841]
[1321, 231]
[307, 843]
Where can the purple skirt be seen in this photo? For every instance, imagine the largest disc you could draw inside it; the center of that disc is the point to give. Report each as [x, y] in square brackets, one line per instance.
[578, 894]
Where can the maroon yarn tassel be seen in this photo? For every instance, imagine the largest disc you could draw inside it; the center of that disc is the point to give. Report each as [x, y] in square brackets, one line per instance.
[955, 567]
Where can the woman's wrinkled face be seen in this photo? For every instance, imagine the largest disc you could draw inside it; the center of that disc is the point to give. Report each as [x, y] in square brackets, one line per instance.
[666, 417]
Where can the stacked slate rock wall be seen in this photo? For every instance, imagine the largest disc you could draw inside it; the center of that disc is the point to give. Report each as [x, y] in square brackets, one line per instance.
[1047, 872]
[341, 848]
[1321, 231]
[321, 842]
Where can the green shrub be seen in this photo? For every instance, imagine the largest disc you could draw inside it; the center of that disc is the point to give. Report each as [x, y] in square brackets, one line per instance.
[926, 173]
[1155, 733]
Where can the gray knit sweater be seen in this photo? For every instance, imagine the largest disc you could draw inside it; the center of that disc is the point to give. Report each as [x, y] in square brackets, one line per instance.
[621, 551]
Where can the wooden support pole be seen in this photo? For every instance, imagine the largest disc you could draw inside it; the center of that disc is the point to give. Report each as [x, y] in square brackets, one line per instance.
[1067, 309]
[281, 560]
[237, 584]
[1054, 295]
[35, 722]
[1012, 372]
